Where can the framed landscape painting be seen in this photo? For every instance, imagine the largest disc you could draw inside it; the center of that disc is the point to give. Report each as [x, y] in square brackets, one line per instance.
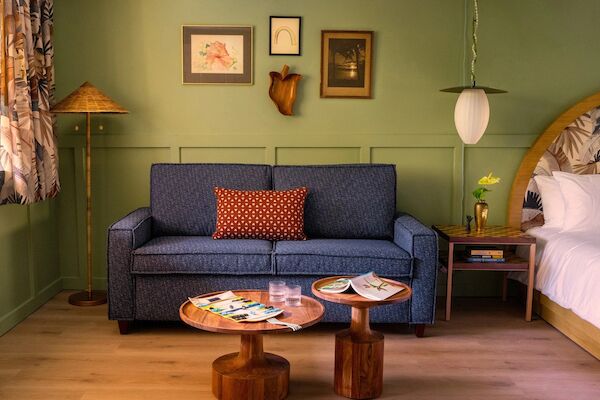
[346, 60]
[214, 54]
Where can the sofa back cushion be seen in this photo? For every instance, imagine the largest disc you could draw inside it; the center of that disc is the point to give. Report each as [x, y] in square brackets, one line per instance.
[182, 198]
[354, 201]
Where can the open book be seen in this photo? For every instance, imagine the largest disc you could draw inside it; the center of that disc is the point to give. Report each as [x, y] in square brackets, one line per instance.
[368, 285]
[236, 308]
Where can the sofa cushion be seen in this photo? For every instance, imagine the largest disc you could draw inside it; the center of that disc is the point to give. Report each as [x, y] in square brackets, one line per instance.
[341, 257]
[202, 255]
[260, 214]
[182, 198]
[356, 201]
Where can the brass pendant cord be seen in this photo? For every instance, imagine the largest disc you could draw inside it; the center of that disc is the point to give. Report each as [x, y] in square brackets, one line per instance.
[474, 44]
[474, 56]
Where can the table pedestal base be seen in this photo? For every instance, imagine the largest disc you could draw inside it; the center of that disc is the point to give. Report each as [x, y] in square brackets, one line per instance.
[250, 374]
[359, 359]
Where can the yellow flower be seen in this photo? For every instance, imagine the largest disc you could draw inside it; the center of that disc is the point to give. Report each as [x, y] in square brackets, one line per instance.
[489, 180]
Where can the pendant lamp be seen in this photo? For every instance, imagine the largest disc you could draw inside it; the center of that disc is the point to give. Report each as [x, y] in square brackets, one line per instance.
[472, 110]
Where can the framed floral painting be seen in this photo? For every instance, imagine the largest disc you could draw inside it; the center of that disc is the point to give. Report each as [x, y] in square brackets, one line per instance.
[215, 54]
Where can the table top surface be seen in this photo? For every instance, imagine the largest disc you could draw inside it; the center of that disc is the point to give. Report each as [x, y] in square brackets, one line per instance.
[308, 313]
[490, 235]
[356, 300]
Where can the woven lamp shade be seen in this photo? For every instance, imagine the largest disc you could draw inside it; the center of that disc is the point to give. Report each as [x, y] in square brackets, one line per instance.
[88, 99]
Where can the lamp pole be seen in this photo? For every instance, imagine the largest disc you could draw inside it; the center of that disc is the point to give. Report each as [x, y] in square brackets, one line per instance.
[90, 297]
[88, 193]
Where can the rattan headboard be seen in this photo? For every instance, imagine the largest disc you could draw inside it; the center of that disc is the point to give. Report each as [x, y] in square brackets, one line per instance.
[571, 143]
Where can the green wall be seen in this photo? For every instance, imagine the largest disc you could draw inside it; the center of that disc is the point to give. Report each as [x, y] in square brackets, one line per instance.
[541, 51]
[29, 267]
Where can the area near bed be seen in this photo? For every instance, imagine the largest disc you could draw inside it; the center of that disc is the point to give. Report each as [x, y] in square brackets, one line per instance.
[556, 198]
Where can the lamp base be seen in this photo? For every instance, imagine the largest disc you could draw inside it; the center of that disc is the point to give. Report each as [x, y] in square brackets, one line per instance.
[86, 299]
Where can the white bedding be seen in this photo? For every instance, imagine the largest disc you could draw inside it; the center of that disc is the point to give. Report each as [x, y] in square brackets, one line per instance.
[568, 270]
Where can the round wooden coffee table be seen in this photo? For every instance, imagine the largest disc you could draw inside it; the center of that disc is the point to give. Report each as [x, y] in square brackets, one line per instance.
[359, 350]
[251, 373]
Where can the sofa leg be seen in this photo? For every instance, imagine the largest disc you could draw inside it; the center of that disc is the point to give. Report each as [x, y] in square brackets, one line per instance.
[124, 327]
[420, 330]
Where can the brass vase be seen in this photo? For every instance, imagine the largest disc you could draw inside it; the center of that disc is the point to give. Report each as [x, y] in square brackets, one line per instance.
[481, 215]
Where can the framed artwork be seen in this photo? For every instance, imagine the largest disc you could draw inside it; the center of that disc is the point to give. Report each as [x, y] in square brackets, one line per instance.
[346, 60]
[216, 54]
[285, 36]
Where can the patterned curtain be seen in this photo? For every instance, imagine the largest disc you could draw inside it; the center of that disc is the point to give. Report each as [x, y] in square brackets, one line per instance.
[28, 150]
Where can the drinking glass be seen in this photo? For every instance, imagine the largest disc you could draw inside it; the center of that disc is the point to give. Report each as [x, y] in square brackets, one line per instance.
[276, 291]
[293, 295]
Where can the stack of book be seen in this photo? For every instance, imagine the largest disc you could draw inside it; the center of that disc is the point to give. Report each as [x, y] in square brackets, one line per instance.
[480, 255]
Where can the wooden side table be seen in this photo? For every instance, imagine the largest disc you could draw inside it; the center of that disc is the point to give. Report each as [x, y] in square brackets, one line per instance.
[358, 350]
[490, 236]
[251, 374]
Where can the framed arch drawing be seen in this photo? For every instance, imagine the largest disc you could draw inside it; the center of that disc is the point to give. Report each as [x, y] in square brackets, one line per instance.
[285, 36]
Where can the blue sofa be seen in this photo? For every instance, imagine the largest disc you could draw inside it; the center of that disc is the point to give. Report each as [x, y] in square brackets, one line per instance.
[160, 255]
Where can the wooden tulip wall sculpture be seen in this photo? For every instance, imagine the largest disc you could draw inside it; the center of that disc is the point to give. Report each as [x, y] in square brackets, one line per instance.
[283, 88]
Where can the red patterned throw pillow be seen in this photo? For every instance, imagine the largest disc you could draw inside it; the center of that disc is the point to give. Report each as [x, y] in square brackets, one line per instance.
[260, 214]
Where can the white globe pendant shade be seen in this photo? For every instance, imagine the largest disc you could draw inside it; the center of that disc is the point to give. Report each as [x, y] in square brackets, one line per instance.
[471, 115]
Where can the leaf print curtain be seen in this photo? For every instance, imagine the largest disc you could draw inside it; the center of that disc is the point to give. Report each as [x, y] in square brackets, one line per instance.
[28, 150]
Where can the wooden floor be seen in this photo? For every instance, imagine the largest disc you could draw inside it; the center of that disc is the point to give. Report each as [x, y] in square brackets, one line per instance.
[486, 352]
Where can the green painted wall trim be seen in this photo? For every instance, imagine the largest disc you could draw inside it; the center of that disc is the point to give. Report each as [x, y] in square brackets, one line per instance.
[29, 266]
[131, 50]
[420, 159]
[11, 319]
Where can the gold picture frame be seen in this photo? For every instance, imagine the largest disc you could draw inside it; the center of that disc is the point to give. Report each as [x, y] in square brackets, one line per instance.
[346, 64]
[217, 54]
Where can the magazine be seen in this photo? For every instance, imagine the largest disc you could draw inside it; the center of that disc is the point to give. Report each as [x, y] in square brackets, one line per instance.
[236, 308]
[368, 285]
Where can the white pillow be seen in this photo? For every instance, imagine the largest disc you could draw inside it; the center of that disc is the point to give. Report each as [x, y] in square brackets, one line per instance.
[582, 200]
[552, 201]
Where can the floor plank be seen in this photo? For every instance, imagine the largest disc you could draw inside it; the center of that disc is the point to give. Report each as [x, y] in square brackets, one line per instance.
[487, 351]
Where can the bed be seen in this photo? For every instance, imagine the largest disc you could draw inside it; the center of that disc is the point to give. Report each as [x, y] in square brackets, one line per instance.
[567, 262]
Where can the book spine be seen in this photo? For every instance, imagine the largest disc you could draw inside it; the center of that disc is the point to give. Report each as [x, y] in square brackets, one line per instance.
[480, 252]
[485, 257]
[485, 260]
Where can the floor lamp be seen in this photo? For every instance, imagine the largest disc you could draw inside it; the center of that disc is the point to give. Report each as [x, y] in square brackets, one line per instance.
[89, 100]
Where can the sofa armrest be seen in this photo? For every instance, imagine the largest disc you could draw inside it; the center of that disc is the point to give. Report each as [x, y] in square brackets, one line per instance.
[422, 244]
[124, 236]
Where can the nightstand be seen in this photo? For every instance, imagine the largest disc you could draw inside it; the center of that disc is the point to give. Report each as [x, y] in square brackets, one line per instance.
[503, 236]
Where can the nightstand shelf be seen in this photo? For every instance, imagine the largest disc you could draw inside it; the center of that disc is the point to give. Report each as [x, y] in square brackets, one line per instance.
[512, 263]
[494, 236]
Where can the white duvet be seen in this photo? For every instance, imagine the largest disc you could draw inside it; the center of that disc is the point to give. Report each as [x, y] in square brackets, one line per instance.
[568, 270]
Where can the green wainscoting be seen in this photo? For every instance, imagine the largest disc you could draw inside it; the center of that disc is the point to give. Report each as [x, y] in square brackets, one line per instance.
[131, 49]
[541, 51]
[429, 168]
[29, 267]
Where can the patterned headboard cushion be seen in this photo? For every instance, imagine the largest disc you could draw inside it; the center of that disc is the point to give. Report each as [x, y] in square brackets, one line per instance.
[575, 150]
